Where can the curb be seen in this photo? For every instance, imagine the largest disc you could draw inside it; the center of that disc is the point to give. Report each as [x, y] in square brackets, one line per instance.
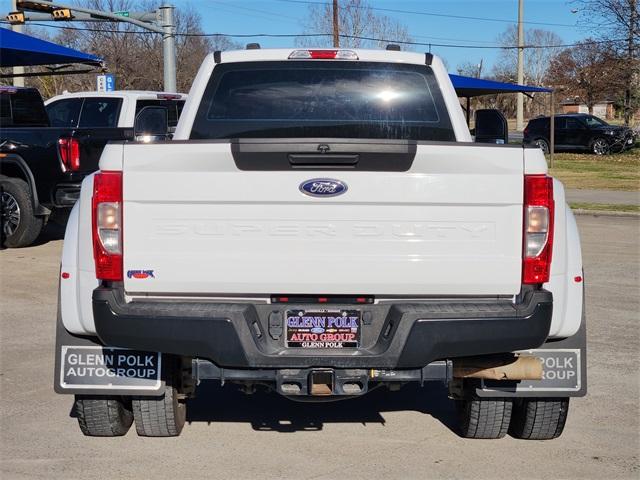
[606, 213]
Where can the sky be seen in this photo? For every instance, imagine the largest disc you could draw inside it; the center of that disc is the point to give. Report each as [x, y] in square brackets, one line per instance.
[424, 23]
[278, 16]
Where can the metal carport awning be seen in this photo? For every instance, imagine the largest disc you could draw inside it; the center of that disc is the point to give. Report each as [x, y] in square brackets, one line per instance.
[473, 87]
[467, 87]
[17, 49]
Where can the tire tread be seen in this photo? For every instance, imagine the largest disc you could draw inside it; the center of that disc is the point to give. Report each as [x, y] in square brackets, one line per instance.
[539, 419]
[102, 417]
[484, 418]
[161, 416]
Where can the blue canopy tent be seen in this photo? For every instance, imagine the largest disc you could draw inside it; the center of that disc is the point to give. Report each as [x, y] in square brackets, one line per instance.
[17, 49]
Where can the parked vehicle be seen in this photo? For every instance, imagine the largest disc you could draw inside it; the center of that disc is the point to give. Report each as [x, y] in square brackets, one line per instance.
[110, 109]
[43, 161]
[329, 228]
[578, 131]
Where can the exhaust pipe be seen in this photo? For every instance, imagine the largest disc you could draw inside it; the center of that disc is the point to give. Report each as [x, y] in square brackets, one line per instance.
[511, 367]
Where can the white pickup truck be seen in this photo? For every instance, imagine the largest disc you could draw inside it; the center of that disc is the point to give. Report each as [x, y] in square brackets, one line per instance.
[116, 109]
[321, 224]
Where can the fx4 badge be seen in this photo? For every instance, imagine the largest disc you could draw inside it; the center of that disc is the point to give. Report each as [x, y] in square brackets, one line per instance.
[140, 274]
[323, 187]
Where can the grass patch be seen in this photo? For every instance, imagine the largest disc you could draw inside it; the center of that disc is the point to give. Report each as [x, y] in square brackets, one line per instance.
[605, 207]
[609, 172]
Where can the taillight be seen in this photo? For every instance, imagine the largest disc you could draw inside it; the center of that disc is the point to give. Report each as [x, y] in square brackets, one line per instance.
[107, 225]
[323, 55]
[538, 229]
[69, 149]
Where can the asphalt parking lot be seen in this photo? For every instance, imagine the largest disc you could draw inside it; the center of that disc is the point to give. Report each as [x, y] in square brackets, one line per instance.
[383, 435]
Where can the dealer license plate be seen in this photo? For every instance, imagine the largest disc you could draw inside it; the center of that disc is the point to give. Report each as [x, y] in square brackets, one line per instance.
[323, 328]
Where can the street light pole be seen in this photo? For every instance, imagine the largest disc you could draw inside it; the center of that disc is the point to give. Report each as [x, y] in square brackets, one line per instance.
[17, 81]
[169, 48]
[520, 107]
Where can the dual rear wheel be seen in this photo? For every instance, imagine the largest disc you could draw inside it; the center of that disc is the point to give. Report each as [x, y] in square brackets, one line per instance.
[525, 418]
[158, 416]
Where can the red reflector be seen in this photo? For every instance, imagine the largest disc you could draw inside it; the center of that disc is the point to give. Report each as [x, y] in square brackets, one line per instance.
[69, 150]
[323, 300]
[65, 275]
[283, 299]
[361, 300]
[107, 188]
[577, 279]
[538, 192]
[323, 54]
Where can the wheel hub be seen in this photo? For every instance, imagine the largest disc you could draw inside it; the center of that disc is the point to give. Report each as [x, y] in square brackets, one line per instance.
[10, 214]
[600, 147]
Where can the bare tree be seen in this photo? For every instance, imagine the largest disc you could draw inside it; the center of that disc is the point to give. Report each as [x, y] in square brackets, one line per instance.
[470, 69]
[586, 72]
[536, 65]
[619, 21]
[536, 60]
[356, 18]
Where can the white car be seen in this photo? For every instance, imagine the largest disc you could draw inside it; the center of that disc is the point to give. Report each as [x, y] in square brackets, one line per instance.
[322, 224]
[110, 109]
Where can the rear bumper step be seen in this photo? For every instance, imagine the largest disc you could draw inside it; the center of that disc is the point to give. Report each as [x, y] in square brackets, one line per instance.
[402, 335]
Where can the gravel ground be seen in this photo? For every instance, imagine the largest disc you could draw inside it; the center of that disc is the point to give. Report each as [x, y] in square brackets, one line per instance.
[383, 435]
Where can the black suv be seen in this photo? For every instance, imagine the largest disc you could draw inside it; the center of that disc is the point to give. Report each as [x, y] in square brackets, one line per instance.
[579, 131]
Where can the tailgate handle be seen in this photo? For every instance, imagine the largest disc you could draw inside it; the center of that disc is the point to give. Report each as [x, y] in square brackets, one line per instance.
[323, 160]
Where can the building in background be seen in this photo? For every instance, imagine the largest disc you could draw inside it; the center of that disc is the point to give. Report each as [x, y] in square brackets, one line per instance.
[604, 109]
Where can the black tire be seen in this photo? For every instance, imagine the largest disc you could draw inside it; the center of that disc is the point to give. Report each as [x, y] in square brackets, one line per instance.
[600, 146]
[484, 418]
[543, 145]
[20, 227]
[539, 418]
[162, 416]
[102, 416]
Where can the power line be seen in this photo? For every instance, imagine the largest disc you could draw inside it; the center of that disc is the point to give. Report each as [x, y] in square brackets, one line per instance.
[430, 14]
[261, 13]
[354, 37]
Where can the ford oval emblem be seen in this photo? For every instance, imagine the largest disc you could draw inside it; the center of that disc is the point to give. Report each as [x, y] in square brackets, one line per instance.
[323, 187]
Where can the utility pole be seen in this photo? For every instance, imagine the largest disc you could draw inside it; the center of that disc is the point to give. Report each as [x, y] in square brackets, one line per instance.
[520, 109]
[630, 58]
[336, 25]
[169, 48]
[17, 81]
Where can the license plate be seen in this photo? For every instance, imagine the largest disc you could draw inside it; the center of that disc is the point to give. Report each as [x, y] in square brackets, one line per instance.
[323, 328]
[108, 368]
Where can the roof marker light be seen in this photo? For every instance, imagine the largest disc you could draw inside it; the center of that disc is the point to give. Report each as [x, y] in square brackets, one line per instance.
[323, 55]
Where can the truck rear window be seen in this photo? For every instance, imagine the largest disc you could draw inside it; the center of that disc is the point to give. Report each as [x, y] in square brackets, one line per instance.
[23, 108]
[303, 99]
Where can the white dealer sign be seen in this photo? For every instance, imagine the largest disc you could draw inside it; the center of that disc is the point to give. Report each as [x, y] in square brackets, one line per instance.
[104, 367]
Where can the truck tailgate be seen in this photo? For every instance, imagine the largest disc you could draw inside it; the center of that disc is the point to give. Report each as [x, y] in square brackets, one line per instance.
[450, 225]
